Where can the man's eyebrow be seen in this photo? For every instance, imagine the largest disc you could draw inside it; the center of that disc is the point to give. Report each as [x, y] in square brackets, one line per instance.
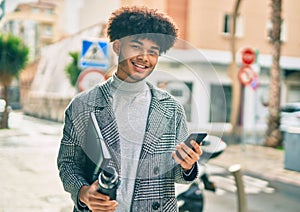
[155, 47]
[140, 43]
[136, 41]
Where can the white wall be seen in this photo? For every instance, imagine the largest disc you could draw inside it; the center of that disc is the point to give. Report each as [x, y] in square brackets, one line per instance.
[81, 14]
[96, 11]
[203, 74]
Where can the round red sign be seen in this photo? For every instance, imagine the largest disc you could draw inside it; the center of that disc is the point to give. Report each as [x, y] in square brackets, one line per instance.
[89, 78]
[246, 75]
[248, 56]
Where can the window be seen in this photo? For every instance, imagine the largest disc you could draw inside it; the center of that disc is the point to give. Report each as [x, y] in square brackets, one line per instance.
[49, 11]
[294, 93]
[283, 35]
[35, 10]
[14, 27]
[48, 30]
[227, 21]
[220, 103]
[177, 92]
[182, 91]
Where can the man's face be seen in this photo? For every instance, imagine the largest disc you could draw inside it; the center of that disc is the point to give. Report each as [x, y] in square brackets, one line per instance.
[137, 58]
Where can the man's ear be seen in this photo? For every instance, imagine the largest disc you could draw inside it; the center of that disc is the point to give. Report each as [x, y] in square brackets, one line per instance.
[117, 47]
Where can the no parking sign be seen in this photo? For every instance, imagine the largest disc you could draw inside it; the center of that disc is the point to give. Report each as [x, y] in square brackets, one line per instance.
[89, 78]
[247, 76]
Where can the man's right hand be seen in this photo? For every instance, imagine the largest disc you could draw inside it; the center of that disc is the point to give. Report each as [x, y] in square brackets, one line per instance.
[96, 201]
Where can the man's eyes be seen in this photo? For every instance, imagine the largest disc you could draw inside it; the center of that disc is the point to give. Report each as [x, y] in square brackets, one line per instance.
[150, 52]
[153, 52]
[136, 47]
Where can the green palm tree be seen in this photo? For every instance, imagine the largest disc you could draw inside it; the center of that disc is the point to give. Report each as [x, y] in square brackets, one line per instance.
[13, 58]
[72, 70]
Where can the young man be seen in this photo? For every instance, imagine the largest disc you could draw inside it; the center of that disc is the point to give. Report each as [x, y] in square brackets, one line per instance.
[142, 125]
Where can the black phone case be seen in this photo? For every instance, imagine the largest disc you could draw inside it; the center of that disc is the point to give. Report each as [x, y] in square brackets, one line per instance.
[198, 137]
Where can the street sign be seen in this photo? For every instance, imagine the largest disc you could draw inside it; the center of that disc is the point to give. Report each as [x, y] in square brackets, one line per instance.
[89, 78]
[2, 8]
[246, 75]
[254, 83]
[248, 56]
[95, 53]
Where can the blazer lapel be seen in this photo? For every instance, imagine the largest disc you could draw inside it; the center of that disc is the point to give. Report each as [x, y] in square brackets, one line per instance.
[107, 122]
[158, 120]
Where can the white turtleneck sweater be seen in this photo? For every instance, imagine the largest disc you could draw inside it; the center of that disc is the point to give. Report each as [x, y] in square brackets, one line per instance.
[131, 103]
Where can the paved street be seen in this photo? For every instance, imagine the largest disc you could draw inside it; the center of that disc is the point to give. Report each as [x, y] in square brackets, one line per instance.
[29, 177]
[30, 182]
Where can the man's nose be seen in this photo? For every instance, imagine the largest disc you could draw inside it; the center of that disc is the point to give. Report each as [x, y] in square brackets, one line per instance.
[143, 55]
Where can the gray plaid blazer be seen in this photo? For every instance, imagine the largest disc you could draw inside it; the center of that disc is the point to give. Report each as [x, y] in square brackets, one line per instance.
[157, 171]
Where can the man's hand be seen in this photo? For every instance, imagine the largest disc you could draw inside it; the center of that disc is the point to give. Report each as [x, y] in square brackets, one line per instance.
[190, 156]
[96, 201]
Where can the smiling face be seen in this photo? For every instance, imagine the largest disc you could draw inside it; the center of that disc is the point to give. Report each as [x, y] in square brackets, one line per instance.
[137, 58]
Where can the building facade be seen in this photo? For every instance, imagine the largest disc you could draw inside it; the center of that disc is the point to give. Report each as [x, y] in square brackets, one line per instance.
[204, 28]
[37, 23]
[196, 71]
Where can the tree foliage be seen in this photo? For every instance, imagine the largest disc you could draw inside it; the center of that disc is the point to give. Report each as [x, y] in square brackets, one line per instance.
[13, 58]
[72, 70]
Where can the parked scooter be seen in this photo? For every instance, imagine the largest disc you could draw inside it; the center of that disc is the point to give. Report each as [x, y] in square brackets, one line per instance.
[192, 200]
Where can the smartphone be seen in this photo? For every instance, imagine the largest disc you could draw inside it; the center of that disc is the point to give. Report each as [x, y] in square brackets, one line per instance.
[198, 137]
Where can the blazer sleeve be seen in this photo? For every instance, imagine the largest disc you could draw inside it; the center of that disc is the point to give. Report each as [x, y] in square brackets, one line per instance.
[71, 159]
[182, 133]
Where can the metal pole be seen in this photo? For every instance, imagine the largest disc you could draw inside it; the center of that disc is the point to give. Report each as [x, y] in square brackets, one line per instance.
[235, 170]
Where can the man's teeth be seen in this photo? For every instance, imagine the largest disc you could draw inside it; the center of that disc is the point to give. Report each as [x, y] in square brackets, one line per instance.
[140, 66]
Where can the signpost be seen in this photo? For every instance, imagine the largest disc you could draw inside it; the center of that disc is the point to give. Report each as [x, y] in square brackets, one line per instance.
[246, 74]
[95, 61]
[95, 53]
[2, 8]
[89, 78]
[248, 56]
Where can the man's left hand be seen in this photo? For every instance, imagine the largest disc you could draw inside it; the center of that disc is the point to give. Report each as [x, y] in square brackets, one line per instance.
[190, 156]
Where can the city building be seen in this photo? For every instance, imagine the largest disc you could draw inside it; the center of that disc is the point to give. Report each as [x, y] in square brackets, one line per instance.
[40, 23]
[205, 30]
[36, 23]
[196, 71]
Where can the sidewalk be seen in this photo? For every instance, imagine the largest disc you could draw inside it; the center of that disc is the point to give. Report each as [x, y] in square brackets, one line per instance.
[30, 181]
[29, 177]
[260, 161]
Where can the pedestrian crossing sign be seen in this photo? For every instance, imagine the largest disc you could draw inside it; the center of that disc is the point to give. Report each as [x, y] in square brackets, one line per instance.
[95, 53]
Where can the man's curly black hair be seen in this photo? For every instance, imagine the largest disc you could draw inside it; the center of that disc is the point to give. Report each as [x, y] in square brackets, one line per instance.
[142, 22]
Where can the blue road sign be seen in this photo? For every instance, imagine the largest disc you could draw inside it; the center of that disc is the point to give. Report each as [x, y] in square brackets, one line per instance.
[94, 54]
[2, 8]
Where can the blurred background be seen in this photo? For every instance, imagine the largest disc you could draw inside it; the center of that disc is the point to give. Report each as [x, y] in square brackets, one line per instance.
[207, 64]
[235, 66]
